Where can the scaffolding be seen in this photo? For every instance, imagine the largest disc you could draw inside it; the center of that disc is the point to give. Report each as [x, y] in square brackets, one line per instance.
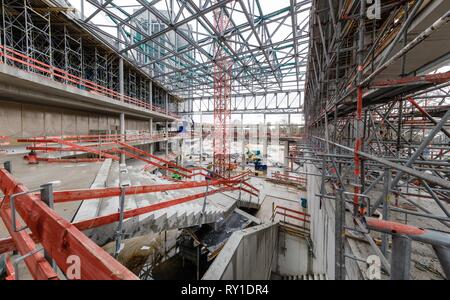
[377, 122]
[40, 39]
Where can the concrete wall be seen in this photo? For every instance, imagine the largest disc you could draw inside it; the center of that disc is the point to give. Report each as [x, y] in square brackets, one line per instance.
[293, 255]
[21, 120]
[248, 255]
[21, 86]
[322, 225]
[322, 232]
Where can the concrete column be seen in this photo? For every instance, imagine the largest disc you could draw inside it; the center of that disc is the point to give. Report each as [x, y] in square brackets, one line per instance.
[151, 128]
[243, 164]
[289, 131]
[167, 103]
[121, 79]
[286, 157]
[201, 137]
[167, 142]
[181, 151]
[122, 133]
[152, 148]
[265, 142]
[150, 100]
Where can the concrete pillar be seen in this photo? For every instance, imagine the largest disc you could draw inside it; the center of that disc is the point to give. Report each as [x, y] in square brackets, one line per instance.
[181, 143]
[289, 131]
[286, 157]
[152, 148]
[264, 140]
[201, 137]
[150, 100]
[151, 128]
[122, 135]
[243, 164]
[167, 103]
[167, 142]
[121, 79]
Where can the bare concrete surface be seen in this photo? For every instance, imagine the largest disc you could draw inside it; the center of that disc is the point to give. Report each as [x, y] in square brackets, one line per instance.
[70, 176]
[279, 195]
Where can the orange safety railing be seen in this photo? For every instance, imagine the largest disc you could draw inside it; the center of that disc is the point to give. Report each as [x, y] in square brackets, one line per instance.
[69, 238]
[290, 217]
[3, 142]
[53, 72]
[97, 138]
[93, 144]
[289, 179]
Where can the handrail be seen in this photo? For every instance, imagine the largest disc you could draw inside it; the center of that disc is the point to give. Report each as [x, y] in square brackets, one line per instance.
[60, 239]
[288, 213]
[93, 87]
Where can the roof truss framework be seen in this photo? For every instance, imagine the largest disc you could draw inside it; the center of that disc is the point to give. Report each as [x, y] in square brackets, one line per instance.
[174, 41]
[274, 103]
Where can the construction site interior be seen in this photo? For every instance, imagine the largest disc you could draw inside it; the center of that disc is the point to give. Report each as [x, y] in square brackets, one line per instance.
[225, 139]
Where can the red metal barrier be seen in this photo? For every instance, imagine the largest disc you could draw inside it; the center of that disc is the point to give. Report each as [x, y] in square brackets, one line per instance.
[7, 245]
[289, 178]
[394, 227]
[108, 219]
[38, 266]
[141, 152]
[53, 144]
[291, 214]
[430, 78]
[3, 142]
[59, 238]
[71, 79]
[78, 195]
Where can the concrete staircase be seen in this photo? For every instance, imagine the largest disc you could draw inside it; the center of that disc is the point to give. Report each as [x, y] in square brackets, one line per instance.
[246, 200]
[306, 277]
[184, 215]
[180, 216]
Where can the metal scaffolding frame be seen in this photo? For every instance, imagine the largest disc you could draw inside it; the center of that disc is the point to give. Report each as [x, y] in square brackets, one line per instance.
[270, 103]
[170, 47]
[61, 239]
[44, 39]
[177, 47]
[377, 126]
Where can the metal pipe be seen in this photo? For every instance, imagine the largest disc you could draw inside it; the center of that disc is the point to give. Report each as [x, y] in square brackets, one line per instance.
[401, 258]
[429, 236]
[339, 237]
[387, 183]
[421, 37]
[443, 254]
[430, 178]
[418, 153]
[427, 115]
[47, 197]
